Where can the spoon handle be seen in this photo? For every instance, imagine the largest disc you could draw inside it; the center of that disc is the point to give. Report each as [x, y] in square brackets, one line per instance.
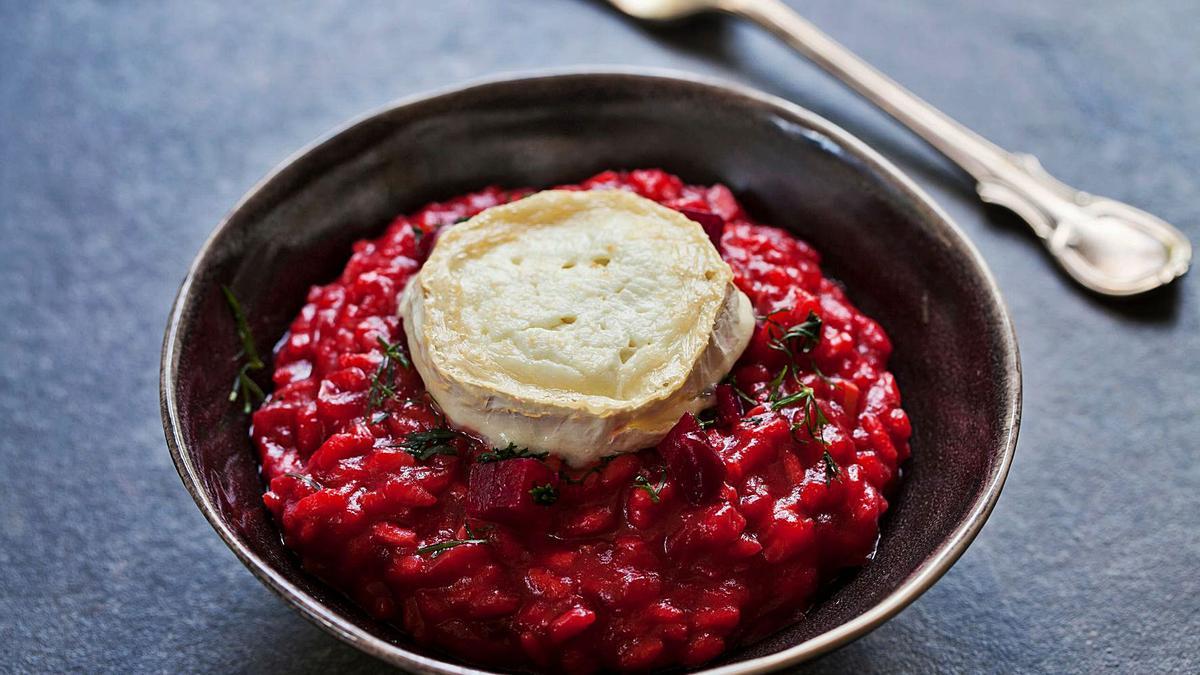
[1107, 246]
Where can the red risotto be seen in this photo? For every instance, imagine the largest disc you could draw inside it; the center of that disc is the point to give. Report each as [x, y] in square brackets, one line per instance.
[618, 566]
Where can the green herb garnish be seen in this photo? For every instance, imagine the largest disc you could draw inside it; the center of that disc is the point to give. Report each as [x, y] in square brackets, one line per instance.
[732, 382]
[544, 495]
[442, 546]
[426, 444]
[792, 398]
[243, 385]
[832, 470]
[814, 418]
[510, 451]
[776, 383]
[383, 380]
[640, 482]
[801, 338]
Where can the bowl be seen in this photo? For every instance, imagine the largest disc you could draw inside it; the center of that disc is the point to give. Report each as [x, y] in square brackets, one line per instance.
[902, 259]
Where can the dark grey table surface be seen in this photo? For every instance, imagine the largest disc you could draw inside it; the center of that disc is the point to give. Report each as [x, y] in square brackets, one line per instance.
[128, 129]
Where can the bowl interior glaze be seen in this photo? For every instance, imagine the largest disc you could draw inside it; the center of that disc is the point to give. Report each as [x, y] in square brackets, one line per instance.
[901, 259]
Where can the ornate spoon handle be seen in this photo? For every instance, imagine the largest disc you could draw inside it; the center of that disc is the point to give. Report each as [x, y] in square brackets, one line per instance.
[1107, 246]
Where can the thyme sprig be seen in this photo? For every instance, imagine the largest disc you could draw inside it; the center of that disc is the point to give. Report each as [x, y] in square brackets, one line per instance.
[640, 482]
[243, 385]
[813, 420]
[799, 396]
[511, 451]
[443, 546]
[383, 380]
[801, 338]
[426, 444]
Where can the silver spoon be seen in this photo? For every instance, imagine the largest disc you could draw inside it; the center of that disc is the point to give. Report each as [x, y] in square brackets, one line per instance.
[1107, 246]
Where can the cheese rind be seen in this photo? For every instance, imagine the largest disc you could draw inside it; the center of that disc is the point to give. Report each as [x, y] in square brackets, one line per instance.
[580, 323]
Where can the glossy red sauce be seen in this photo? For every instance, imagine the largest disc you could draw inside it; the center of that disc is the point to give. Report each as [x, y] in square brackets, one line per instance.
[622, 572]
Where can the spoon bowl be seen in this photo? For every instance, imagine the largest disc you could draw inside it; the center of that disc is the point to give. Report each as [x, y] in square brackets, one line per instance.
[1116, 249]
[668, 10]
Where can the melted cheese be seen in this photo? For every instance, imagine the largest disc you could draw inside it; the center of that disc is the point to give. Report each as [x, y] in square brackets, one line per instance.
[580, 323]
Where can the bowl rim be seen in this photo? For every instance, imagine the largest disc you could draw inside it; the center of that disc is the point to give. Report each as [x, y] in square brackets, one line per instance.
[924, 576]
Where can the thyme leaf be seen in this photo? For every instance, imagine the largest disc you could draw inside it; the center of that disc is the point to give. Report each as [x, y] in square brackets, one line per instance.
[243, 385]
[776, 383]
[544, 495]
[832, 470]
[510, 451]
[814, 418]
[801, 338]
[247, 388]
[640, 482]
[426, 444]
[443, 546]
[732, 382]
[797, 397]
[383, 380]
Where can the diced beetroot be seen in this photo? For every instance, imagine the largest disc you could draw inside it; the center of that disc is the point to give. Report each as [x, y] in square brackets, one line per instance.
[571, 623]
[500, 491]
[713, 224]
[723, 203]
[692, 461]
[729, 406]
[621, 571]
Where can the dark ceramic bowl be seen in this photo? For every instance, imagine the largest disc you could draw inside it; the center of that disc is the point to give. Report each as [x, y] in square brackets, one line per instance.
[899, 255]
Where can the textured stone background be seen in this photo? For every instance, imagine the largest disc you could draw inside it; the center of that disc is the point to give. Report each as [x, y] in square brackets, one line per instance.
[128, 128]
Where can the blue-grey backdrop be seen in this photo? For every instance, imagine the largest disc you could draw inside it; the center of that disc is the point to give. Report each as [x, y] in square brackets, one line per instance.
[128, 128]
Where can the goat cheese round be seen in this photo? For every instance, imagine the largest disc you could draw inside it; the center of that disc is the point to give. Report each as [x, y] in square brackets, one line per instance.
[579, 323]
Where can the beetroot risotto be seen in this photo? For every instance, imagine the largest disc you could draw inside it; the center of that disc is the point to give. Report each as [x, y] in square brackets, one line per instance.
[506, 557]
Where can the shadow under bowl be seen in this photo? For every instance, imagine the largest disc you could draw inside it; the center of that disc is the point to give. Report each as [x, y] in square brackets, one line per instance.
[902, 260]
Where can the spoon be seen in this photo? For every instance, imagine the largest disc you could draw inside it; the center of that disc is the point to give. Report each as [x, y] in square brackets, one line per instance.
[1107, 246]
